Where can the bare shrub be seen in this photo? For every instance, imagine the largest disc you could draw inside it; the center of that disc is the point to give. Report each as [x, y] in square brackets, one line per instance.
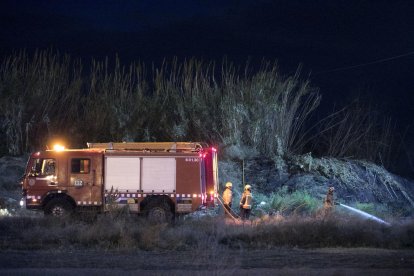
[356, 131]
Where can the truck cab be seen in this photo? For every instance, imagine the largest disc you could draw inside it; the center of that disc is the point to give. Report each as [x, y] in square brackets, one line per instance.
[58, 181]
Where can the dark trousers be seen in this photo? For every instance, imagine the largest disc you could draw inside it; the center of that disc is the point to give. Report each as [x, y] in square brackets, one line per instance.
[244, 213]
[227, 212]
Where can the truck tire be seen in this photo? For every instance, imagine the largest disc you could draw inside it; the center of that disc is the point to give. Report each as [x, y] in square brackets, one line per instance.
[58, 207]
[159, 212]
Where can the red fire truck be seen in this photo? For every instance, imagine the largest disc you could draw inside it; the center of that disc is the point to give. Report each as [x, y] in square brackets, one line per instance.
[156, 179]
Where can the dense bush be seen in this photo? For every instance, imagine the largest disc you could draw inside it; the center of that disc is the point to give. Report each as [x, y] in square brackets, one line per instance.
[47, 95]
[296, 202]
[39, 95]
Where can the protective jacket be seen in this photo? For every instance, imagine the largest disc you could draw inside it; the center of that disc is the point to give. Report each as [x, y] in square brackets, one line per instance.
[227, 196]
[329, 200]
[246, 200]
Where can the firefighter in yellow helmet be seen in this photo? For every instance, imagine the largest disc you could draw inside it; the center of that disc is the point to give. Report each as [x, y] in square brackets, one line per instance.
[227, 197]
[246, 202]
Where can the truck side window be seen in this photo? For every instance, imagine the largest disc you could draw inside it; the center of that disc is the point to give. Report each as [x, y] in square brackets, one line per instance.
[80, 165]
[45, 166]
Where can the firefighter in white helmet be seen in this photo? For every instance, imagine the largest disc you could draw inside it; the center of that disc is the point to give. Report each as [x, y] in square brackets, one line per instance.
[227, 197]
[246, 202]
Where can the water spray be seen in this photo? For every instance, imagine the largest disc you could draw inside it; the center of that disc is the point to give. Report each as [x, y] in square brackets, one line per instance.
[365, 215]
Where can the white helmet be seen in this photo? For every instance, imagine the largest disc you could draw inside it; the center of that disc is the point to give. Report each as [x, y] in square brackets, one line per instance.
[229, 185]
[247, 187]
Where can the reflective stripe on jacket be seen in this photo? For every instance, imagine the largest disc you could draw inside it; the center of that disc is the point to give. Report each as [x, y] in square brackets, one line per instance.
[227, 196]
[246, 200]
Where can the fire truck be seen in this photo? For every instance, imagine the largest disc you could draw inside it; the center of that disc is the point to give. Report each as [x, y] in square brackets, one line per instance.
[157, 179]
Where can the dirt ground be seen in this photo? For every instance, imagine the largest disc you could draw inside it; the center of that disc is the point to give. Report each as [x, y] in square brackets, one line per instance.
[283, 261]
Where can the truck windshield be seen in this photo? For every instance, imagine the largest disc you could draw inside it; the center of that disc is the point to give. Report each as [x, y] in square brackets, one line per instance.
[43, 166]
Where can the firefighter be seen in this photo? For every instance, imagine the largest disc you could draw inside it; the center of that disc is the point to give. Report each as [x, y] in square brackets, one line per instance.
[246, 203]
[227, 197]
[328, 204]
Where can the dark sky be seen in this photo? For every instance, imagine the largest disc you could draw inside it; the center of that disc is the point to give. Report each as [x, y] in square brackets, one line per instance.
[323, 35]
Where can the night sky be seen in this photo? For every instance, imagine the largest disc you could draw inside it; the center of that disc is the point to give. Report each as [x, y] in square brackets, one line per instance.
[348, 48]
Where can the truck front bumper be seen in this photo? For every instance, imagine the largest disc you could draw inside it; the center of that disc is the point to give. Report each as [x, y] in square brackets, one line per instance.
[30, 203]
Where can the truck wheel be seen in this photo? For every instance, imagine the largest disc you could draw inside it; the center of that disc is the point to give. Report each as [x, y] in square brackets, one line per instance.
[58, 208]
[159, 212]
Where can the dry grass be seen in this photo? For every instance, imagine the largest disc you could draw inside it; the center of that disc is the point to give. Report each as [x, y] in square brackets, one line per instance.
[189, 100]
[212, 233]
[357, 131]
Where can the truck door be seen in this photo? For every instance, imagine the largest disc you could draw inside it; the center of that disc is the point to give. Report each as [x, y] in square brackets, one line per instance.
[85, 180]
[42, 175]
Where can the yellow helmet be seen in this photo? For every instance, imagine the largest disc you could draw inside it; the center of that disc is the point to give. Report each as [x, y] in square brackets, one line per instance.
[229, 185]
[247, 187]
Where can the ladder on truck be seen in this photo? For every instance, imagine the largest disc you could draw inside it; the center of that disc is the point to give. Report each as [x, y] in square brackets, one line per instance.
[149, 146]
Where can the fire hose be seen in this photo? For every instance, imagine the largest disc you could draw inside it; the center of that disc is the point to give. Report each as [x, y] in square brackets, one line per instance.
[231, 213]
